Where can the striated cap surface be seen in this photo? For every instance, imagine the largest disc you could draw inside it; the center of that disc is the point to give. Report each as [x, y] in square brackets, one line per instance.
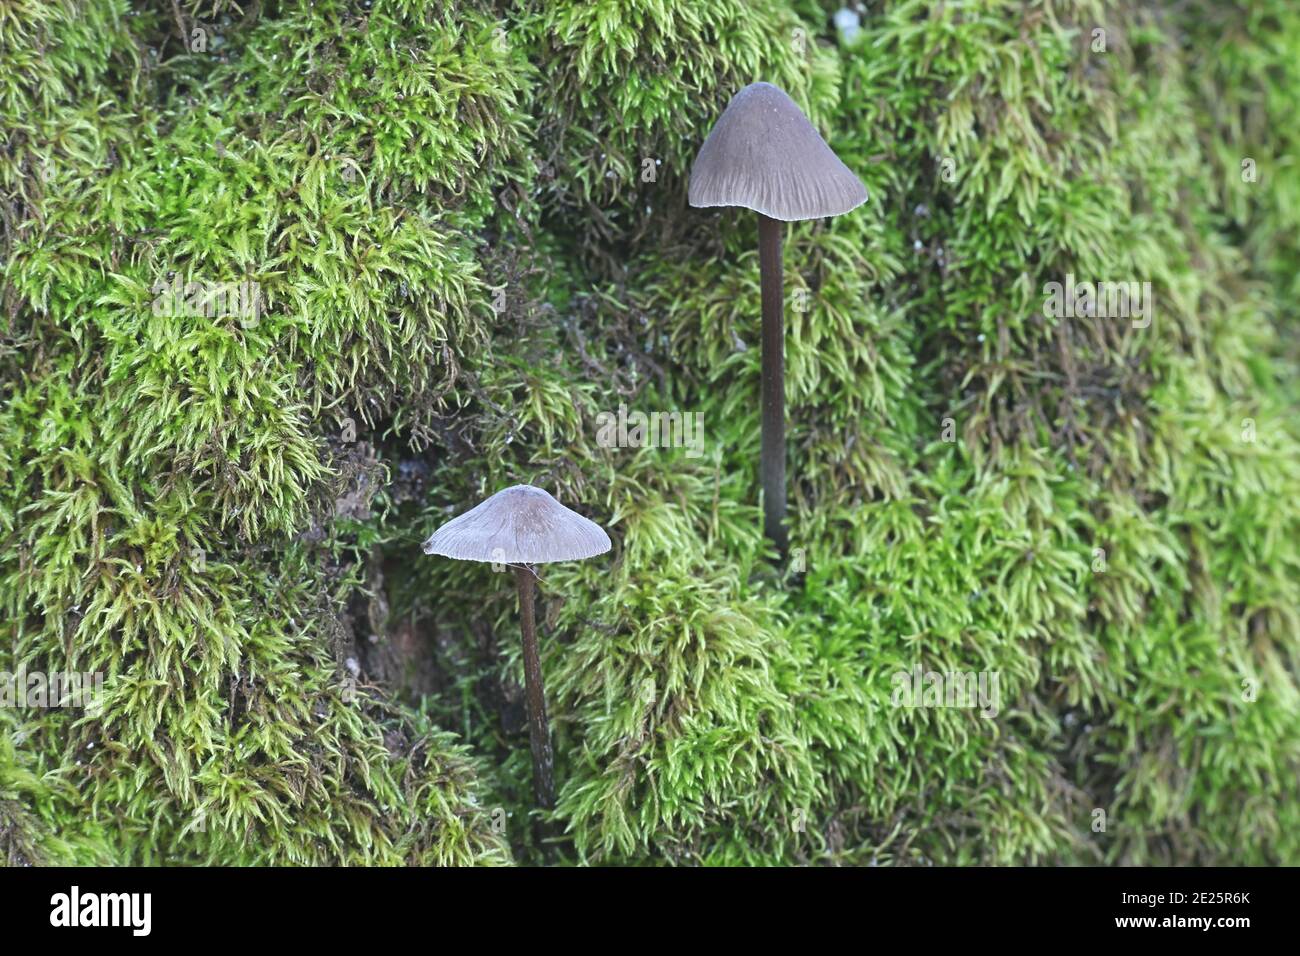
[519, 525]
[764, 154]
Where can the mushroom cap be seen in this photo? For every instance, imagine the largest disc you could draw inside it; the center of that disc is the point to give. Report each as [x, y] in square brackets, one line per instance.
[763, 154]
[518, 525]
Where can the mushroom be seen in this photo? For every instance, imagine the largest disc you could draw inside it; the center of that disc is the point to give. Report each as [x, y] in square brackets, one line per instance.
[521, 526]
[764, 155]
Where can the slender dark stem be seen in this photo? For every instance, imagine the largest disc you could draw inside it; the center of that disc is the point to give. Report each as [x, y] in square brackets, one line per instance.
[772, 462]
[539, 734]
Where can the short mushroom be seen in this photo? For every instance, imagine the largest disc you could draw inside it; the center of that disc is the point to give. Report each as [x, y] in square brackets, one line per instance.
[764, 155]
[521, 526]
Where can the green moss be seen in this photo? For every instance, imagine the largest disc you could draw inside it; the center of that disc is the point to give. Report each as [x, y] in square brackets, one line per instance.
[462, 259]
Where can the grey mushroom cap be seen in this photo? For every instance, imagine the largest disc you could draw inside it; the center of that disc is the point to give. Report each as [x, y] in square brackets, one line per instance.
[764, 155]
[519, 525]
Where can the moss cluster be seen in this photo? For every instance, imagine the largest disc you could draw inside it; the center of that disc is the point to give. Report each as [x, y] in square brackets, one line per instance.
[466, 224]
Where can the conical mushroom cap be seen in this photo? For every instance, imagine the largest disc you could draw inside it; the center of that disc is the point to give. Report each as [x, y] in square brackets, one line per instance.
[763, 154]
[519, 525]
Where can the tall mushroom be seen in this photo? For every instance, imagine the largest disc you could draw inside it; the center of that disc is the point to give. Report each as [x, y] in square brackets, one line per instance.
[764, 155]
[522, 526]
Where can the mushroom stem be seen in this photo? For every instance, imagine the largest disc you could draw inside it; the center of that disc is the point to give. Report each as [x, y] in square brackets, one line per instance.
[772, 462]
[539, 734]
